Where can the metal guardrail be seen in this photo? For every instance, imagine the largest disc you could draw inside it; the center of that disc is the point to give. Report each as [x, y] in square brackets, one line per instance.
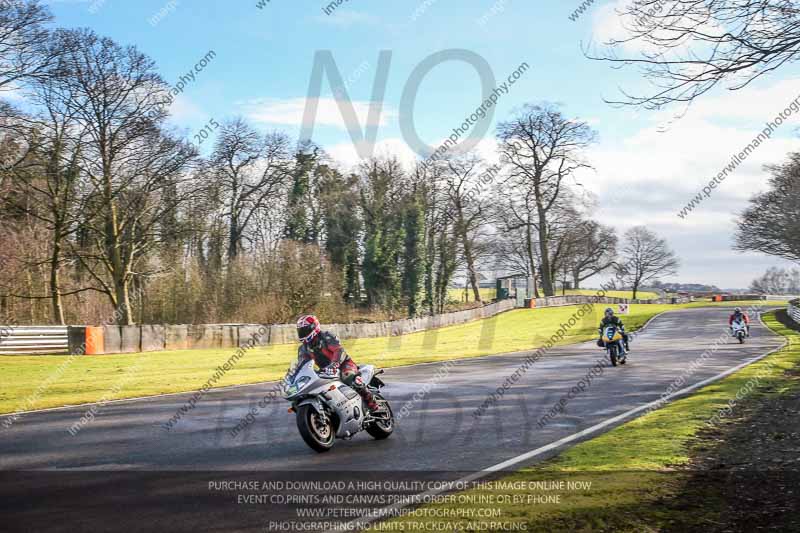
[794, 310]
[32, 340]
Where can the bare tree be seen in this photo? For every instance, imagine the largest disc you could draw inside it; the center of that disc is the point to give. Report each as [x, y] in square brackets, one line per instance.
[510, 253]
[467, 212]
[594, 250]
[24, 52]
[14, 128]
[564, 232]
[253, 173]
[47, 185]
[134, 174]
[770, 223]
[777, 281]
[645, 257]
[543, 150]
[518, 224]
[687, 47]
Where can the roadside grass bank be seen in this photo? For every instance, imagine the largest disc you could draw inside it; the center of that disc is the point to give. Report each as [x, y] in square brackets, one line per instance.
[748, 464]
[635, 477]
[88, 379]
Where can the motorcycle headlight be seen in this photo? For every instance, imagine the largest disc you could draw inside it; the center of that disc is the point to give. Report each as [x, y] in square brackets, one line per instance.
[293, 389]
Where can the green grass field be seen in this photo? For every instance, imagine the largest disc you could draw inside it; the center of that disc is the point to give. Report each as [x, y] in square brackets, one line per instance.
[636, 465]
[76, 380]
[460, 295]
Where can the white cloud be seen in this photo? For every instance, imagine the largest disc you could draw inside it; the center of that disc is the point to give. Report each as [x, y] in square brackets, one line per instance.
[346, 155]
[757, 103]
[289, 112]
[648, 177]
[183, 110]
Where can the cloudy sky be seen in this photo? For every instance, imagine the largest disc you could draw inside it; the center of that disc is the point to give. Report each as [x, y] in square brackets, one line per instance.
[647, 165]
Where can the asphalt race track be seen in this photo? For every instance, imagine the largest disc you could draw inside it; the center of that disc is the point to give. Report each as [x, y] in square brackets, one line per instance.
[149, 475]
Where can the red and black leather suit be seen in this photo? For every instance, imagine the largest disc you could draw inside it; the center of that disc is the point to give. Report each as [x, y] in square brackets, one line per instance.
[329, 355]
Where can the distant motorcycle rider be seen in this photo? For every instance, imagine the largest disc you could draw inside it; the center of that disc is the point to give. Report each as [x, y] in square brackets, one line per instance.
[324, 348]
[739, 316]
[610, 319]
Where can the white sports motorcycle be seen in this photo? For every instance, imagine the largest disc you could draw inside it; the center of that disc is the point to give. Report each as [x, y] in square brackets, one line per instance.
[327, 409]
[739, 330]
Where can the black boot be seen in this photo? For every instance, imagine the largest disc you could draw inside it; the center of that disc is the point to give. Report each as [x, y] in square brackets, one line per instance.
[369, 399]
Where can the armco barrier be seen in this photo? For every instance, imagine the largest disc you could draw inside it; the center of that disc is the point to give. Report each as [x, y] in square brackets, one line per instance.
[31, 340]
[794, 310]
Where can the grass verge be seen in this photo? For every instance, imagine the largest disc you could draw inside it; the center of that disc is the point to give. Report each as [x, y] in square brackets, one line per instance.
[630, 470]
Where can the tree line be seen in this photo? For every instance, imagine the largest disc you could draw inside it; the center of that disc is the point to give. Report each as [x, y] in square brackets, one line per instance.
[101, 199]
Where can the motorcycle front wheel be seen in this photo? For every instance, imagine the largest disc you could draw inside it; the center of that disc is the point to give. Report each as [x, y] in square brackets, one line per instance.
[382, 428]
[612, 354]
[741, 338]
[316, 431]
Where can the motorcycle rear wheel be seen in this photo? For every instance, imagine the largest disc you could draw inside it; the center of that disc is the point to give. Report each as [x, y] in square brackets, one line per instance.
[318, 434]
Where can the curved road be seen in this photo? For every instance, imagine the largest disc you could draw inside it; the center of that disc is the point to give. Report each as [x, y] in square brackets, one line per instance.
[439, 438]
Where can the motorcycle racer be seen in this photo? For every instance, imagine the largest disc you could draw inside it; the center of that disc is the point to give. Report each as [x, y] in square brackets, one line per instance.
[739, 316]
[324, 348]
[610, 319]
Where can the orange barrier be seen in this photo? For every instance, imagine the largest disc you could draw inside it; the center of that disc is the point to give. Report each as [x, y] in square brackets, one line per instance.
[94, 341]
